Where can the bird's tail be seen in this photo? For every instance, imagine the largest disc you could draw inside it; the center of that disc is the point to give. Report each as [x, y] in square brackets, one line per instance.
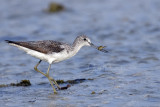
[10, 42]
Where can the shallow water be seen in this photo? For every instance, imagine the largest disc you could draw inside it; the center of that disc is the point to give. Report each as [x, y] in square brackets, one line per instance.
[128, 76]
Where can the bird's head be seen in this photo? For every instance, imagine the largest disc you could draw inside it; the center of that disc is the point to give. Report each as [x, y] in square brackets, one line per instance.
[83, 40]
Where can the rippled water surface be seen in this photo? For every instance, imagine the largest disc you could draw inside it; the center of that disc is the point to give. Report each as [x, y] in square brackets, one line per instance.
[127, 76]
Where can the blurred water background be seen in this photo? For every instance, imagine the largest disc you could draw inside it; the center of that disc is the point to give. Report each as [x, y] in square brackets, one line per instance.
[128, 76]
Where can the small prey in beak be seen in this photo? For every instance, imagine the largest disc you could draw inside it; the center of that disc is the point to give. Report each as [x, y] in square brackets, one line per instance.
[100, 48]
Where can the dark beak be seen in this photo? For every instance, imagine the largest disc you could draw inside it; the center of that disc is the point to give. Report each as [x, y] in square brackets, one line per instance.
[100, 48]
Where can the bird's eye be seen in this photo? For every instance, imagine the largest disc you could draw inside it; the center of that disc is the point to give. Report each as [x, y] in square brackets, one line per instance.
[84, 39]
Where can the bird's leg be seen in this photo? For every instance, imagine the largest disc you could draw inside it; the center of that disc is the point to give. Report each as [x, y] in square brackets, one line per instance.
[36, 69]
[47, 75]
[54, 81]
[49, 78]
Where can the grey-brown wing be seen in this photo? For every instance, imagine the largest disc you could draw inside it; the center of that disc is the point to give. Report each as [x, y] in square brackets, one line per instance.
[46, 46]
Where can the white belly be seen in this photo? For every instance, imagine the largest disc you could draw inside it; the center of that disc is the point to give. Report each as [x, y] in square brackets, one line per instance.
[50, 58]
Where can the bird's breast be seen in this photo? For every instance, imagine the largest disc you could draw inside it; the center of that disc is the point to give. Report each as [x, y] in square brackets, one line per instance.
[57, 57]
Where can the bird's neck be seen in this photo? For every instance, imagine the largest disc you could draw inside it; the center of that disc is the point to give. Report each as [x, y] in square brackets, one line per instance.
[76, 46]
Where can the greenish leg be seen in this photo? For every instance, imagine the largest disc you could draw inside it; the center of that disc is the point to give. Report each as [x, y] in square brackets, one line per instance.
[47, 75]
[54, 81]
[36, 69]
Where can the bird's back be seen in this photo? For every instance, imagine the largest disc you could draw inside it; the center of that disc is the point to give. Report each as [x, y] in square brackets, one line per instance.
[45, 46]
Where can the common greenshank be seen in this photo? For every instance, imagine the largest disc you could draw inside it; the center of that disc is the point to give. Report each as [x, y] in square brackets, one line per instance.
[53, 52]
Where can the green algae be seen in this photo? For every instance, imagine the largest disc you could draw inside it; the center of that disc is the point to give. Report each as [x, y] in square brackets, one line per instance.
[54, 7]
[75, 81]
[3, 85]
[60, 81]
[21, 83]
[93, 92]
